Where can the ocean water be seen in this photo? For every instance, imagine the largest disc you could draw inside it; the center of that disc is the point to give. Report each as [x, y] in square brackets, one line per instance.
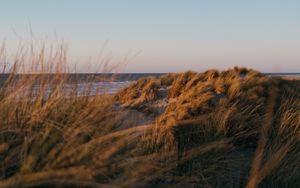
[80, 89]
[284, 74]
[85, 84]
[94, 84]
[96, 88]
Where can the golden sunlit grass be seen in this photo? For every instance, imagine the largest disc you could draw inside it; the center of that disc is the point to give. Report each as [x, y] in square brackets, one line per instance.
[234, 128]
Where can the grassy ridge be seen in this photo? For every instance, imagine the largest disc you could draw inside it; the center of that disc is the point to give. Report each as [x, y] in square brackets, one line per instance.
[234, 128]
[257, 116]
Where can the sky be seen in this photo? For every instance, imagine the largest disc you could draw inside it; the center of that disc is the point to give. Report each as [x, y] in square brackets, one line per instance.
[163, 35]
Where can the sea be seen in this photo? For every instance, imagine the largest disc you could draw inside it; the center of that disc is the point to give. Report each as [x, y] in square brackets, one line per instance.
[111, 83]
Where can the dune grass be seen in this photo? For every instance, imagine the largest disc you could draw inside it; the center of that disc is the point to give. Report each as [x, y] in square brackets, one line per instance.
[235, 128]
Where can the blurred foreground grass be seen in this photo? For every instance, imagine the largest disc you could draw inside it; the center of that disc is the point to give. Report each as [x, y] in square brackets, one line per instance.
[236, 128]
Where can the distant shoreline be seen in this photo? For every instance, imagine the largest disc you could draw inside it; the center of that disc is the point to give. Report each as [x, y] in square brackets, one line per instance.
[120, 77]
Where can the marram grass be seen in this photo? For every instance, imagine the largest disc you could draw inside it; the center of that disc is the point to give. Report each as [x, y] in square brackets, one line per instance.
[235, 128]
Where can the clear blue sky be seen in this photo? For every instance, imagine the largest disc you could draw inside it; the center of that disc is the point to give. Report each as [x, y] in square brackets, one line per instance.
[168, 35]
